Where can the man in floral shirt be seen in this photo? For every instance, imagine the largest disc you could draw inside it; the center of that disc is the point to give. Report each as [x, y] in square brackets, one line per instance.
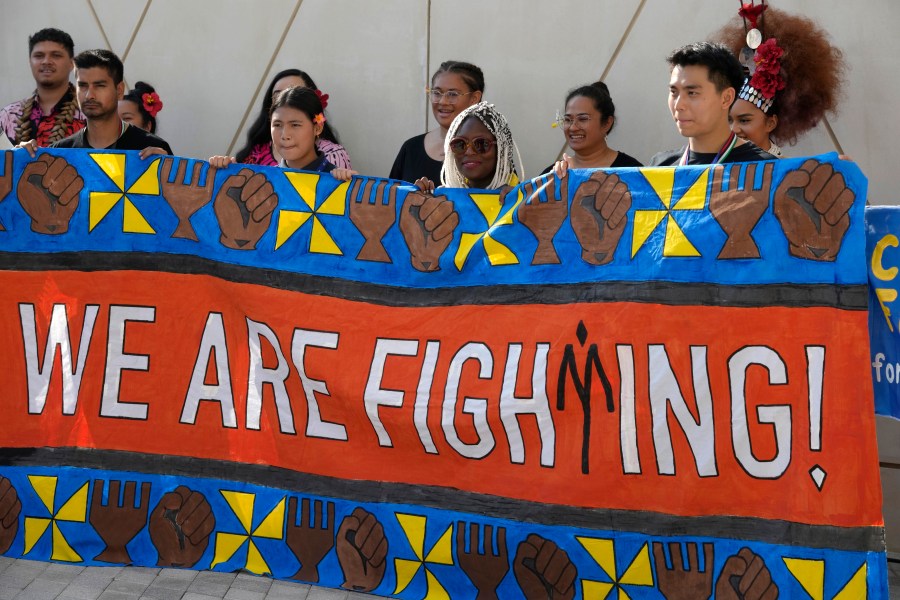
[51, 113]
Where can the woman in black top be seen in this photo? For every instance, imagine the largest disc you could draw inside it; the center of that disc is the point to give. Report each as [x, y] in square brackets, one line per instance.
[455, 86]
[590, 116]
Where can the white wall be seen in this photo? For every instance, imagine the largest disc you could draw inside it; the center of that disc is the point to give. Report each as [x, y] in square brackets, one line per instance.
[209, 60]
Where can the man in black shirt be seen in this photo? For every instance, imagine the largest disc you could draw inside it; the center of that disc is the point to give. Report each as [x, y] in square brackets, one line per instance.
[99, 86]
[703, 85]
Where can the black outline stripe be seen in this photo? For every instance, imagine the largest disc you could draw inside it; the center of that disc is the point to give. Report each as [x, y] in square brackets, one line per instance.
[854, 539]
[847, 297]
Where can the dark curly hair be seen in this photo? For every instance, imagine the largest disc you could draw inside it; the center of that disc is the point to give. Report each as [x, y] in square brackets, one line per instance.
[812, 68]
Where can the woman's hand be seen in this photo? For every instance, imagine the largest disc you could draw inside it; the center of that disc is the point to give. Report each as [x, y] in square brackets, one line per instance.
[561, 167]
[425, 184]
[342, 174]
[221, 162]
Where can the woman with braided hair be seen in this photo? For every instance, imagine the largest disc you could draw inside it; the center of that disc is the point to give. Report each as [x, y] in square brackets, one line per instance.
[51, 113]
[479, 151]
[793, 75]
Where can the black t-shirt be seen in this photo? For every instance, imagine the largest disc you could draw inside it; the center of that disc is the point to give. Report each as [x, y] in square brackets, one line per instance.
[413, 162]
[319, 165]
[134, 138]
[622, 160]
[746, 152]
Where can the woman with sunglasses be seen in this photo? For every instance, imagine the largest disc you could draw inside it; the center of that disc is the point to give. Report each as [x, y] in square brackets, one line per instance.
[589, 118]
[259, 149]
[479, 151]
[454, 87]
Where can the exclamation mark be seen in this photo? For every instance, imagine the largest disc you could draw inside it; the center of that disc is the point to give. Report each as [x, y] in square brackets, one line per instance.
[815, 376]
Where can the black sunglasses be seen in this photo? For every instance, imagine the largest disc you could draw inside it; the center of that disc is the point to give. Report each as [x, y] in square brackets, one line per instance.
[481, 145]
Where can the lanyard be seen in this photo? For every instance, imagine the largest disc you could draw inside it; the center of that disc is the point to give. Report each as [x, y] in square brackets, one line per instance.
[723, 153]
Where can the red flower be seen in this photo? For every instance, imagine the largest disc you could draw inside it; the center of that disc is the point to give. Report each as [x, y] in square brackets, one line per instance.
[323, 98]
[152, 103]
[768, 55]
[767, 79]
[766, 83]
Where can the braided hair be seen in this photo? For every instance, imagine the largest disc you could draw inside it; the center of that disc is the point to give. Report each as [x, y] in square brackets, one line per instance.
[137, 96]
[62, 125]
[506, 146]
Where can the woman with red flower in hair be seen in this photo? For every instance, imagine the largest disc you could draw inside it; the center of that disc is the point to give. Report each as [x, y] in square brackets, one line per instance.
[793, 78]
[140, 106]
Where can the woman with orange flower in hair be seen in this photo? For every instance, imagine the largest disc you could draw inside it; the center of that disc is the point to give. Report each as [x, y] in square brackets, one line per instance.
[794, 75]
[140, 106]
[296, 120]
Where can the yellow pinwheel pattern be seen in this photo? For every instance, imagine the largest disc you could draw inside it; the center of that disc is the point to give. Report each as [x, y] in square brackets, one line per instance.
[290, 221]
[440, 554]
[271, 527]
[603, 551]
[101, 203]
[810, 574]
[662, 180]
[489, 205]
[73, 510]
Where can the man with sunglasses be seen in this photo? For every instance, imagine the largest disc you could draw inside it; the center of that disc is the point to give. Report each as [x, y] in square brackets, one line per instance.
[703, 85]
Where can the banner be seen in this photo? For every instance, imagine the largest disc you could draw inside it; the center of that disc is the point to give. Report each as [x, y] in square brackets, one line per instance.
[644, 382]
[882, 227]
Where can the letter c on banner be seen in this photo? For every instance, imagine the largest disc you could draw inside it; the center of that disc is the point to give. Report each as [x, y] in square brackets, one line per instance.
[888, 241]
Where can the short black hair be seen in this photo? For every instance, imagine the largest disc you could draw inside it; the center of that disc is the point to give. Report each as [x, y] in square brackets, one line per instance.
[101, 58]
[724, 69]
[52, 35]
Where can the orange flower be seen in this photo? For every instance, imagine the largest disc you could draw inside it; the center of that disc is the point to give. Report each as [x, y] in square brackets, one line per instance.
[319, 119]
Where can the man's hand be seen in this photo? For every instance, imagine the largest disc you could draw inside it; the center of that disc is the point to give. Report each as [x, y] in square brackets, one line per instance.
[740, 208]
[117, 525]
[10, 507]
[244, 207]
[362, 550]
[544, 570]
[310, 543]
[745, 577]
[812, 204]
[684, 582]
[373, 215]
[186, 198]
[485, 569]
[599, 215]
[180, 527]
[544, 219]
[427, 223]
[48, 191]
[152, 151]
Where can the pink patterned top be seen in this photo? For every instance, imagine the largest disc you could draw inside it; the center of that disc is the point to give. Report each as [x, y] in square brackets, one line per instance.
[42, 125]
[261, 154]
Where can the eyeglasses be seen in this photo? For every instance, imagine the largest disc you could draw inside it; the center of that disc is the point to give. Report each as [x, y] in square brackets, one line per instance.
[566, 122]
[452, 96]
[480, 145]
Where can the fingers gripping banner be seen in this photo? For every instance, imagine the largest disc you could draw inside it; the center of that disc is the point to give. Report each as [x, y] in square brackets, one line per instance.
[634, 383]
